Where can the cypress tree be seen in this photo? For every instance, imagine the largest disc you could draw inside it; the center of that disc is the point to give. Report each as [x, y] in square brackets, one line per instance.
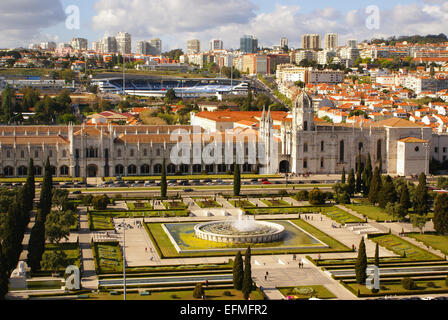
[46, 193]
[441, 214]
[343, 176]
[405, 199]
[421, 205]
[351, 182]
[361, 264]
[36, 245]
[4, 279]
[375, 187]
[12, 244]
[367, 176]
[358, 188]
[247, 277]
[238, 271]
[30, 180]
[163, 184]
[377, 255]
[236, 180]
[387, 193]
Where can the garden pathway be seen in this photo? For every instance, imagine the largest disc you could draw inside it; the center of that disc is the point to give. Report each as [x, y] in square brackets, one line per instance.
[225, 204]
[258, 203]
[89, 277]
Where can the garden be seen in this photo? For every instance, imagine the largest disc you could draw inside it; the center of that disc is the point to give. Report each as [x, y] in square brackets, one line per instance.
[139, 205]
[71, 251]
[276, 203]
[209, 203]
[434, 240]
[241, 203]
[174, 205]
[372, 212]
[107, 257]
[403, 248]
[306, 292]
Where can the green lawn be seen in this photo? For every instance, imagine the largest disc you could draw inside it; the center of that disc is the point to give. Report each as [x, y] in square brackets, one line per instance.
[44, 285]
[372, 212]
[212, 294]
[400, 246]
[306, 292]
[395, 287]
[199, 177]
[241, 203]
[276, 203]
[70, 249]
[339, 215]
[107, 257]
[434, 240]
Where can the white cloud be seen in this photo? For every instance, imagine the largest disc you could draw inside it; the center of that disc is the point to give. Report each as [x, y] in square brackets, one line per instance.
[21, 21]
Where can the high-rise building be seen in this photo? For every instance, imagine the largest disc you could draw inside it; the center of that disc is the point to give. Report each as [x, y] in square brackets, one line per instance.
[216, 44]
[311, 41]
[156, 45]
[80, 44]
[96, 46]
[194, 46]
[109, 45]
[48, 45]
[283, 43]
[248, 44]
[331, 41]
[143, 47]
[353, 44]
[124, 42]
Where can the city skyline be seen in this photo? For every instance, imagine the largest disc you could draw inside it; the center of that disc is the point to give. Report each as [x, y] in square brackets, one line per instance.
[204, 20]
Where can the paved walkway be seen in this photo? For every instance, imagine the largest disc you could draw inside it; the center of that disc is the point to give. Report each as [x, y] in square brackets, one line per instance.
[89, 278]
[258, 203]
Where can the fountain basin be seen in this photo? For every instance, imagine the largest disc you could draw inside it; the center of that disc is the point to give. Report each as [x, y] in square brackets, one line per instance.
[227, 232]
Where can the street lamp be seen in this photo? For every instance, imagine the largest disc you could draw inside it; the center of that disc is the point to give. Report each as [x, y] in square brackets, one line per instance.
[124, 226]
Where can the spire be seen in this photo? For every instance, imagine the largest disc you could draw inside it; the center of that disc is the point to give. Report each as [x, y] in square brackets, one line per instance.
[269, 118]
[263, 115]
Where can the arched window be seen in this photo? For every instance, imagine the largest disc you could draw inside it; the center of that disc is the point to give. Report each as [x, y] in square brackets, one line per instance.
[322, 162]
[184, 168]
[36, 154]
[222, 168]
[145, 169]
[64, 153]
[197, 168]
[305, 164]
[50, 153]
[106, 153]
[132, 153]
[360, 146]
[8, 171]
[378, 150]
[145, 152]
[119, 153]
[119, 170]
[171, 169]
[63, 171]
[322, 146]
[158, 152]
[305, 147]
[53, 170]
[209, 168]
[38, 170]
[22, 154]
[22, 171]
[247, 167]
[77, 154]
[157, 169]
[132, 169]
[305, 126]
[341, 151]
[8, 154]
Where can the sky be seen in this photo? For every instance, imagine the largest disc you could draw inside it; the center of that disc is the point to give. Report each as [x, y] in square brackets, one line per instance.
[175, 21]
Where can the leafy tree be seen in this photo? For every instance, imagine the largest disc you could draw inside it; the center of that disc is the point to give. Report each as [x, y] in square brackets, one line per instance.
[316, 197]
[198, 291]
[387, 193]
[418, 221]
[163, 184]
[4, 279]
[238, 271]
[341, 193]
[100, 202]
[375, 187]
[351, 183]
[302, 195]
[247, 277]
[54, 260]
[396, 210]
[236, 180]
[361, 264]
[170, 96]
[421, 204]
[343, 180]
[441, 214]
[57, 225]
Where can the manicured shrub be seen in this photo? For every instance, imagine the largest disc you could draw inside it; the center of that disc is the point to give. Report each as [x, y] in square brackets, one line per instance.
[431, 284]
[408, 283]
[227, 293]
[100, 202]
[198, 291]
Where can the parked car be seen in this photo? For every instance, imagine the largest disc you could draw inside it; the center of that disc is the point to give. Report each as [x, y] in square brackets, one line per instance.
[267, 182]
[188, 190]
[76, 192]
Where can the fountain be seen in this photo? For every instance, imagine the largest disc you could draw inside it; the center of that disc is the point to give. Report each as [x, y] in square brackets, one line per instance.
[243, 230]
